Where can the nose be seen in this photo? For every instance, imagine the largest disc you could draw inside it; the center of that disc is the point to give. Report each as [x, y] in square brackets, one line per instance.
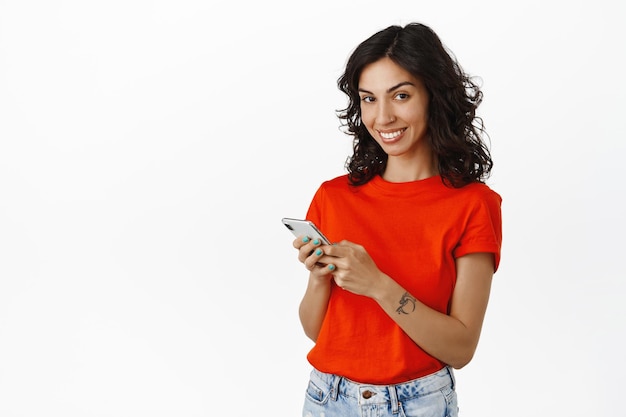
[384, 114]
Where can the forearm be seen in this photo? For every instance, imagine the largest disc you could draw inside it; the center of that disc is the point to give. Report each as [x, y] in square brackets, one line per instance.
[443, 336]
[313, 306]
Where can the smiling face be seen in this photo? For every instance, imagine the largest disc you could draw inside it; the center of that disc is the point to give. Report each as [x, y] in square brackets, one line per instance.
[394, 109]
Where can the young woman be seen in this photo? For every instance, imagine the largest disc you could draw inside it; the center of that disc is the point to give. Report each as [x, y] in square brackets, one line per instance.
[400, 299]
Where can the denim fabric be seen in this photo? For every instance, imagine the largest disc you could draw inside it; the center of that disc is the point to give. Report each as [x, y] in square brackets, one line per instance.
[333, 396]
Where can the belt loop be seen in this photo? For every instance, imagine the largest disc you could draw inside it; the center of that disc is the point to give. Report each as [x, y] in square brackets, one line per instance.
[335, 391]
[393, 399]
[451, 372]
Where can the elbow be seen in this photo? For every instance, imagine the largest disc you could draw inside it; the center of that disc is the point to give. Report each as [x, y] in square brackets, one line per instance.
[463, 352]
[462, 359]
[310, 325]
[311, 330]
[459, 364]
[311, 335]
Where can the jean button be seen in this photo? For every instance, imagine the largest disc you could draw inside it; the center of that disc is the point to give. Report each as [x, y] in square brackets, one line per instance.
[367, 394]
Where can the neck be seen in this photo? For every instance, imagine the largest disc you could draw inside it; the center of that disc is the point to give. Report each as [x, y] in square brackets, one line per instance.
[399, 170]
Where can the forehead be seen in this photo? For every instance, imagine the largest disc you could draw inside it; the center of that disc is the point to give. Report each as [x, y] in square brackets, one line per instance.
[383, 74]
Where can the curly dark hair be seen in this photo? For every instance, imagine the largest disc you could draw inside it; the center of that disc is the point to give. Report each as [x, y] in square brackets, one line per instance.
[454, 131]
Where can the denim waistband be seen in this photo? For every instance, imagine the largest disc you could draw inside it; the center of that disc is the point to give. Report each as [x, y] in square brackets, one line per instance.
[372, 393]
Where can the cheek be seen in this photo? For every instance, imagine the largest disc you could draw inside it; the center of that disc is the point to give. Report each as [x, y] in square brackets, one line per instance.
[368, 122]
[416, 118]
[367, 117]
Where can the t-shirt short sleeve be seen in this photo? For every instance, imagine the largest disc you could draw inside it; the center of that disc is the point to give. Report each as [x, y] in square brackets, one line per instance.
[483, 228]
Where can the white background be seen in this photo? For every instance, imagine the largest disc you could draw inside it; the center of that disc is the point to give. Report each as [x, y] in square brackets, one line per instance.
[148, 150]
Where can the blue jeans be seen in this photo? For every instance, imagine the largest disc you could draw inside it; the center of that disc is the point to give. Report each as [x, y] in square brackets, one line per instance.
[330, 395]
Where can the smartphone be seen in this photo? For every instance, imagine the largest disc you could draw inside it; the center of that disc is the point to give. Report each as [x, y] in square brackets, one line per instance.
[305, 228]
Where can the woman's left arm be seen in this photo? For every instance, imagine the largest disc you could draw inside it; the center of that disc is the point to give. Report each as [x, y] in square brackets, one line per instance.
[450, 338]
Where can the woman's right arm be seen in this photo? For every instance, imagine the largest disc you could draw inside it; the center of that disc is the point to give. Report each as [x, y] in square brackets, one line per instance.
[313, 305]
[315, 301]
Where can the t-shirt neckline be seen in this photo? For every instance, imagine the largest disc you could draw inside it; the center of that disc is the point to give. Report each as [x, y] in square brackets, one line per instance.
[408, 187]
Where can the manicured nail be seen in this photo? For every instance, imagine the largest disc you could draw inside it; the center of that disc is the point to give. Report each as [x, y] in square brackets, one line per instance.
[331, 267]
[316, 242]
[318, 252]
[306, 239]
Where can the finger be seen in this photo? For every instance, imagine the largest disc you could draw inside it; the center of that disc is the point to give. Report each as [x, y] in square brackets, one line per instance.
[306, 247]
[314, 258]
[336, 249]
[332, 250]
[301, 241]
[305, 240]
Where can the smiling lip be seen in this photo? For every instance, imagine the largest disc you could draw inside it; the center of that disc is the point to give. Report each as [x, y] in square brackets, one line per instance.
[391, 136]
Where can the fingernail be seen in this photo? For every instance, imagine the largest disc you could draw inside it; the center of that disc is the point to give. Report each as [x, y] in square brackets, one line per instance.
[318, 252]
[316, 242]
[306, 239]
[331, 267]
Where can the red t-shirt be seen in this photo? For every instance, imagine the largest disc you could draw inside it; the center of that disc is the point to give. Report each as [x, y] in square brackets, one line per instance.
[414, 231]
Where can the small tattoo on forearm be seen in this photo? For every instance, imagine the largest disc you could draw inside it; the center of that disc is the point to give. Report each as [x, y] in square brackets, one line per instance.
[407, 304]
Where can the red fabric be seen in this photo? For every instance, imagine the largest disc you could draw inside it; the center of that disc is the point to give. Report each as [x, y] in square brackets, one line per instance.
[414, 232]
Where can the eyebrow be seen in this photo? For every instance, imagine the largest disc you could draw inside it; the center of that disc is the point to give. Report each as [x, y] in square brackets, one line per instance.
[390, 89]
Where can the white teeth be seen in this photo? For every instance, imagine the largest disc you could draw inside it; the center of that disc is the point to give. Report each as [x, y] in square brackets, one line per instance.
[391, 135]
